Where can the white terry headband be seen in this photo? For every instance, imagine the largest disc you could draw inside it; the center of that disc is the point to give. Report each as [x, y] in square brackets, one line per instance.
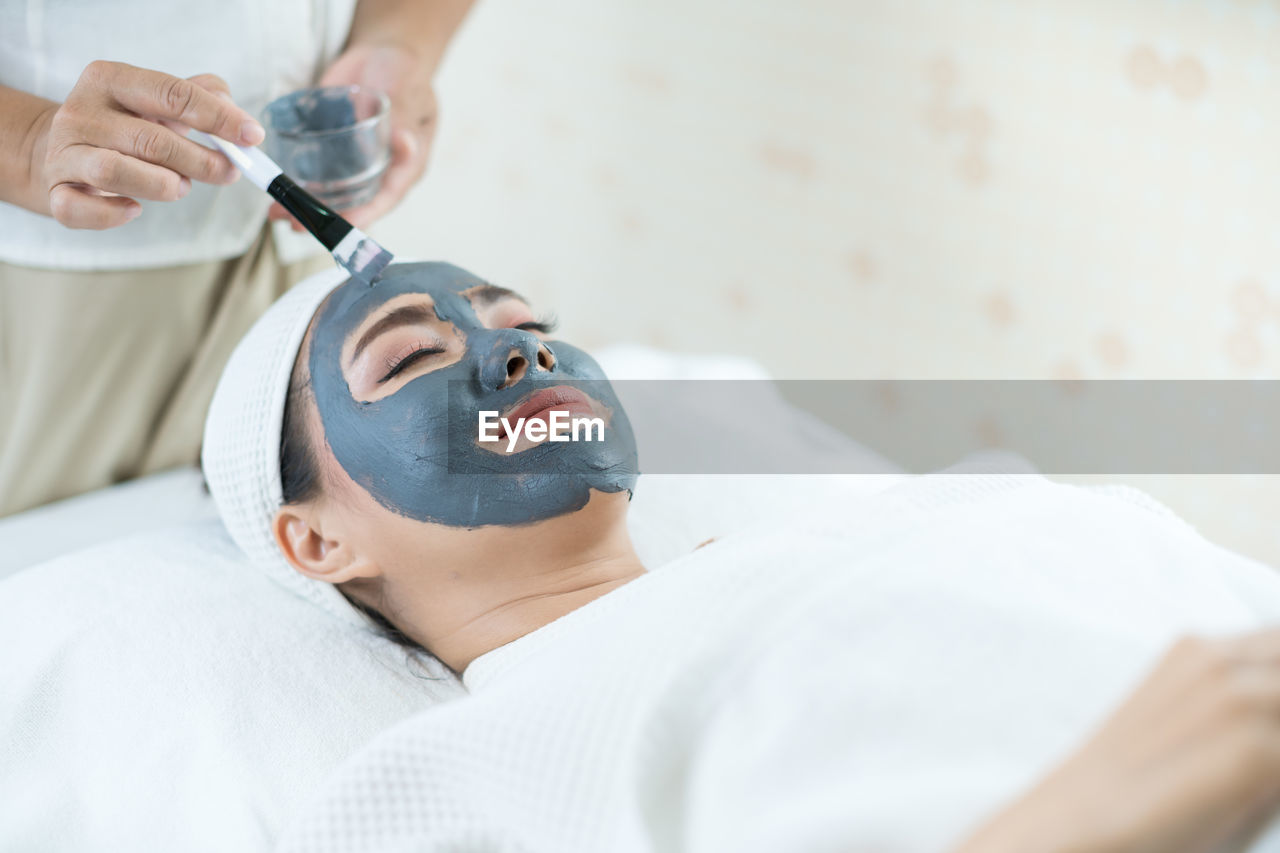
[241, 453]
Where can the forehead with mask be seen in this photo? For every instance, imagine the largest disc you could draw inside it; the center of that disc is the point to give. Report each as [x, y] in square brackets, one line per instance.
[401, 372]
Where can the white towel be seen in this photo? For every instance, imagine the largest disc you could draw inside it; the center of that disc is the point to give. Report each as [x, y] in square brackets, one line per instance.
[160, 694]
[879, 679]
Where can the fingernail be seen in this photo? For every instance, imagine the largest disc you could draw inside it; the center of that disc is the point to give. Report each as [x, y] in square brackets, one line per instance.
[133, 213]
[226, 96]
[251, 133]
[184, 187]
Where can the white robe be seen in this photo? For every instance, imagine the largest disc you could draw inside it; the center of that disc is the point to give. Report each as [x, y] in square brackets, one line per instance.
[882, 678]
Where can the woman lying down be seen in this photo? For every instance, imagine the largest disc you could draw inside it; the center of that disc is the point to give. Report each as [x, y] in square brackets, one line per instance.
[961, 662]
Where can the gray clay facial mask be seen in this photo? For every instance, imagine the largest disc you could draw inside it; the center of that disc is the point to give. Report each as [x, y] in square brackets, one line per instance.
[416, 451]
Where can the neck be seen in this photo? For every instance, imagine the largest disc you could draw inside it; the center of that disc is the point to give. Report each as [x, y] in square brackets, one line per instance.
[521, 615]
[516, 580]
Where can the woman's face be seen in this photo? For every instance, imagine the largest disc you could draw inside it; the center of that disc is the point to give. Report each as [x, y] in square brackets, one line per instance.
[401, 373]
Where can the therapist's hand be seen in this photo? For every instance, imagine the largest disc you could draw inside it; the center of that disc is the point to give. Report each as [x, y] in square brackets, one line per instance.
[118, 138]
[1189, 763]
[407, 81]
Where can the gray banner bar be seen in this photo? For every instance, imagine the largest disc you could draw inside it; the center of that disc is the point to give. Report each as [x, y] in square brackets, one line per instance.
[874, 427]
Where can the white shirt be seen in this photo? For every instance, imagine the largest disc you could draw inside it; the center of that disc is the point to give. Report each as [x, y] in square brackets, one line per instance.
[262, 50]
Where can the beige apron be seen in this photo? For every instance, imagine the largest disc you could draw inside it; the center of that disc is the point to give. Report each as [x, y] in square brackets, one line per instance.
[106, 376]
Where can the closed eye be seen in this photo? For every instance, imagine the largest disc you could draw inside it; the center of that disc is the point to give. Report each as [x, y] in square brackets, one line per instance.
[545, 325]
[413, 356]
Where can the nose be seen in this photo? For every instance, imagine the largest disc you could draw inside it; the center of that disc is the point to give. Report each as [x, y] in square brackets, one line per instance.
[511, 357]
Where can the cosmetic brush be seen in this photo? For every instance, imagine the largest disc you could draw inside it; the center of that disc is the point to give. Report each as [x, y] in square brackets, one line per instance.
[351, 247]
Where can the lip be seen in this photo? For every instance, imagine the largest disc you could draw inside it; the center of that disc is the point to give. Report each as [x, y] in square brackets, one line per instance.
[542, 401]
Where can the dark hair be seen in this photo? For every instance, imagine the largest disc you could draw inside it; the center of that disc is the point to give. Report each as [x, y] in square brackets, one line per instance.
[300, 482]
[299, 471]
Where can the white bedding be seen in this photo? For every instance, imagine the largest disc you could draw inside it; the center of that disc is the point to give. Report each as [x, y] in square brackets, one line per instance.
[151, 503]
[157, 694]
[880, 679]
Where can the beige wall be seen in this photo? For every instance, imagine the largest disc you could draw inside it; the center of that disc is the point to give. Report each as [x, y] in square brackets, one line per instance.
[924, 188]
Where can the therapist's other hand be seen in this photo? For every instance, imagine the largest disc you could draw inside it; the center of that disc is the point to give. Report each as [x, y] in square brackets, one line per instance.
[1189, 763]
[118, 138]
[407, 82]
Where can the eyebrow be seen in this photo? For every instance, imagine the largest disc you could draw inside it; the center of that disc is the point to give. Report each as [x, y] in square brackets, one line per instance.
[405, 315]
[487, 294]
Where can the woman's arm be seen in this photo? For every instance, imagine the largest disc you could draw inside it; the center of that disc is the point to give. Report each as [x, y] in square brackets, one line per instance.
[21, 143]
[424, 27]
[1190, 762]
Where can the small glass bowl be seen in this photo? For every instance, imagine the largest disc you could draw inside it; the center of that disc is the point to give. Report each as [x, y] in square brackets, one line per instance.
[333, 141]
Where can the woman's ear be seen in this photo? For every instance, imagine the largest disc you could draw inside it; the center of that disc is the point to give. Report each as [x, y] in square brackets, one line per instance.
[305, 546]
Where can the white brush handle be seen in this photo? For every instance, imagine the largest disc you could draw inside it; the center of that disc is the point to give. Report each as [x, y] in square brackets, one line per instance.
[259, 168]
